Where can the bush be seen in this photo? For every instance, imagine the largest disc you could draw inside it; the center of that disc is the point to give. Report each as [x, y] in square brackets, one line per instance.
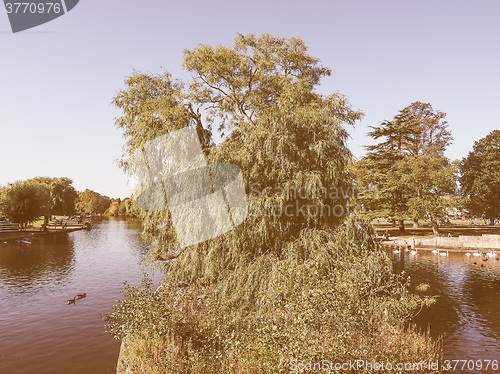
[338, 301]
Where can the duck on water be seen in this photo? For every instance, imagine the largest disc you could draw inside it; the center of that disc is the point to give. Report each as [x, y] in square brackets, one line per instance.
[77, 297]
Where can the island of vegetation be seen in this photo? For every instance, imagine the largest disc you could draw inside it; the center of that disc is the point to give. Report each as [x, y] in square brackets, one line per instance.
[302, 279]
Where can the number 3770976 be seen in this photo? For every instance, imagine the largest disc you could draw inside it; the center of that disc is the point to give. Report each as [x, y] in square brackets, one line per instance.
[33, 8]
[480, 365]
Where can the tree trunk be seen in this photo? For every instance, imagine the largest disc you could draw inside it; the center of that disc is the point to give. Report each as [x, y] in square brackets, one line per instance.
[435, 227]
[401, 225]
[415, 224]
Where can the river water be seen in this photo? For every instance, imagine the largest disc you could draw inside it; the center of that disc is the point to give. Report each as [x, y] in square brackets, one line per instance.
[39, 332]
[467, 311]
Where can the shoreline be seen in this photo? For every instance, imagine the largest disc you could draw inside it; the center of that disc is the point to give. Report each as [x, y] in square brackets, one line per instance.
[408, 243]
[15, 235]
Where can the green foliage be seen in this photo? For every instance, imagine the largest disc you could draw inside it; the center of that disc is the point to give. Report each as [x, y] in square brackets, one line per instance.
[62, 195]
[24, 201]
[131, 209]
[113, 209]
[406, 173]
[287, 139]
[340, 301]
[127, 208]
[429, 182]
[282, 284]
[480, 177]
[91, 202]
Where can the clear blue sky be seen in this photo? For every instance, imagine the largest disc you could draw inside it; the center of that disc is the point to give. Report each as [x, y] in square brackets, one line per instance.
[57, 80]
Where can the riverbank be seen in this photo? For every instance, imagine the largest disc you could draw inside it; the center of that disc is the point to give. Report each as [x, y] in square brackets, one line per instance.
[444, 231]
[16, 235]
[483, 244]
[121, 367]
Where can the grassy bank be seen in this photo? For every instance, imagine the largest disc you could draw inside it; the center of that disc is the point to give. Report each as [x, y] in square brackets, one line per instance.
[333, 297]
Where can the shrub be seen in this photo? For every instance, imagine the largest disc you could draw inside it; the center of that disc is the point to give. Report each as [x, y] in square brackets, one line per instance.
[339, 301]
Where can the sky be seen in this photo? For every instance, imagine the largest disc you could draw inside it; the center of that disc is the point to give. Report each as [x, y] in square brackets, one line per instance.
[57, 80]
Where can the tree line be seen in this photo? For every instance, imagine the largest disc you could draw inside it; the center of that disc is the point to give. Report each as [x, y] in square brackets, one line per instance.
[25, 202]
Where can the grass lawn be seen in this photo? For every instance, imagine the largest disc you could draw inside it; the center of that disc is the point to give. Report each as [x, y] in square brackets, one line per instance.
[37, 223]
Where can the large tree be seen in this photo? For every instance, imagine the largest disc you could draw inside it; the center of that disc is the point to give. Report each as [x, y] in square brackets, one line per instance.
[61, 197]
[282, 284]
[416, 133]
[480, 177]
[285, 137]
[24, 201]
[428, 182]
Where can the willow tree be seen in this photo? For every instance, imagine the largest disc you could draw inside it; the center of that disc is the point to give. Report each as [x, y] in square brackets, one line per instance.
[289, 140]
[61, 197]
[285, 278]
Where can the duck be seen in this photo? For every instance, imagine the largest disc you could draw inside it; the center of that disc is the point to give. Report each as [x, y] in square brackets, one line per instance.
[396, 251]
[78, 297]
[413, 252]
[476, 254]
[467, 254]
[435, 251]
[444, 253]
[491, 254]
[72, 301]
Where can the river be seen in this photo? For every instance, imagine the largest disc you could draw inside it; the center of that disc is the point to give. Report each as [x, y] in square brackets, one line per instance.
[467, 311]
[40, 333]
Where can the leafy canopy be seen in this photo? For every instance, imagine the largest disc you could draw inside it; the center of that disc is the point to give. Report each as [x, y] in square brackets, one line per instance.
[91, 202]
[480, 177]
[405, 173]
[286, 138]
[26, 201]
[284, 283]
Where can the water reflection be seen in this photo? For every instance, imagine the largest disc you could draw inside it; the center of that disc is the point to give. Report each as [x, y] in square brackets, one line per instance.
[40, 333]
[27, 268]
[467, 312]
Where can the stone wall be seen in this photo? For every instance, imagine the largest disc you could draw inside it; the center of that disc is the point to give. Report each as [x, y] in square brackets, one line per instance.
[461, 242]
